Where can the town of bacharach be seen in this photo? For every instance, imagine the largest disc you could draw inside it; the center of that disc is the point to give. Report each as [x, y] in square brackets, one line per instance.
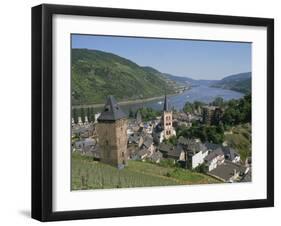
[158, 112]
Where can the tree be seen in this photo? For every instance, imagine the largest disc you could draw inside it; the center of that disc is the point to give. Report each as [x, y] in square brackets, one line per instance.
[218, 102]
[148, 113]
[82, 114]
[192, 107]
[131, 113]
[172, 140]
[89, 114]
[202, 168]
[188, 107]
[238, 111]
[198, 104]
[75, 115]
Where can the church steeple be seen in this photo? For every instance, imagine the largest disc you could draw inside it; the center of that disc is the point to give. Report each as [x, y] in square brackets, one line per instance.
[166, 106]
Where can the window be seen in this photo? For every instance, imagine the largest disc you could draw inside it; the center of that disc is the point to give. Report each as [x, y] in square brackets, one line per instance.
[107, 108]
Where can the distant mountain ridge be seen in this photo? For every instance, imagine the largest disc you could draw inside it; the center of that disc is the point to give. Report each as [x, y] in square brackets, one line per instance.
[97, 74]
[241, 82]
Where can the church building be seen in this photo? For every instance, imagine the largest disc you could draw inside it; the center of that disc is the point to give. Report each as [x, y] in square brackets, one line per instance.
[112, 134]
[165, 129]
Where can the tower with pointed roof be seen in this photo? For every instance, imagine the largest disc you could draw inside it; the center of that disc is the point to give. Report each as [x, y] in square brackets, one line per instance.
[167, 120]
[112, 134]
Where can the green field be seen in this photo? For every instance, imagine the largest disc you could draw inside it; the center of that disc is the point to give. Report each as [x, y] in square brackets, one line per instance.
[89, 174]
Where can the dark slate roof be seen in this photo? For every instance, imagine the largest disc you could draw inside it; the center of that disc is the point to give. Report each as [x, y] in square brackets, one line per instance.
[165, 147]
[226, 170]
[111, 111]
[175, 152]
[191, 145]
[195, 147]
[134, 138]
[212, 146]
[214, 154]
[166, 106]
[142, 152]
[229, 153]
[82, 129]
[148, 141]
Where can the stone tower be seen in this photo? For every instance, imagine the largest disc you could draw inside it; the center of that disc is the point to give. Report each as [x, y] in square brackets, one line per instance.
[112, 134]
[167, 120]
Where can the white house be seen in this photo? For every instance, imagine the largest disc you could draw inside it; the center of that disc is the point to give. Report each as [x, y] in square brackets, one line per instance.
[198, 158]
[194, 150]
[214, 158]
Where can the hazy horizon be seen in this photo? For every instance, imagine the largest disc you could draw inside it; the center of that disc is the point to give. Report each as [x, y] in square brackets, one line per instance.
[196, 59]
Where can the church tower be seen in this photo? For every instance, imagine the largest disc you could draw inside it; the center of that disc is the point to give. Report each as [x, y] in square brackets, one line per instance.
[112, 134]
[167, 120]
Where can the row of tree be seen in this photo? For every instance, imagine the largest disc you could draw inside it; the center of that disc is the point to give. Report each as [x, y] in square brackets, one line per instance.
[193, 107]
[82, 112]
[147, 114]
[196, 105]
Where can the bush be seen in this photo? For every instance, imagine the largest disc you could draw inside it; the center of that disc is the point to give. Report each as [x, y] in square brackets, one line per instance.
[202, 168]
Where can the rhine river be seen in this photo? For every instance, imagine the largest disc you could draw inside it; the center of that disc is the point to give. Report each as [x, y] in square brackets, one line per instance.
[201, 93]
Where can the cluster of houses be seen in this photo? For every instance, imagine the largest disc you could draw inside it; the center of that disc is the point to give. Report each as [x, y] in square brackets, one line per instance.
[145, 141]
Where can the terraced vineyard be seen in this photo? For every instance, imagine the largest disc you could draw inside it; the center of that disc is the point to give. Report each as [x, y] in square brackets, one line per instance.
[89, 174]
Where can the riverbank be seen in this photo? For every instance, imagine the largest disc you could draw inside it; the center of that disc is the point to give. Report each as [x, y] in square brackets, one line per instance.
[130, 102]
[177, 101]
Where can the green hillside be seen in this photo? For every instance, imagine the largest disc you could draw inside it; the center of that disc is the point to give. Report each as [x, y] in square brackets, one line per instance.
[240, 139]
[239, 82]
[97, 74]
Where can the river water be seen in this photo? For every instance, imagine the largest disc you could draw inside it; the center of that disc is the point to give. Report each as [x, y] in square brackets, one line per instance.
[201, 93]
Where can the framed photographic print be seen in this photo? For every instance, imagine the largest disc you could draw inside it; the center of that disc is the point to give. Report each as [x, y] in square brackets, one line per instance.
[145, 112]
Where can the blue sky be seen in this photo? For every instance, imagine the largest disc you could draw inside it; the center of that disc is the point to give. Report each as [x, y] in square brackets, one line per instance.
[190, 58]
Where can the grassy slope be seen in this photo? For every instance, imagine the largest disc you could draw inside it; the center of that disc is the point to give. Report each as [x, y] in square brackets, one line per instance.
[97, 74]
[240, 139]
[88, 174]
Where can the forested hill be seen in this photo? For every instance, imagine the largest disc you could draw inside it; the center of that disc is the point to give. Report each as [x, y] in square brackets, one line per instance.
[97, 74]
[239, 82]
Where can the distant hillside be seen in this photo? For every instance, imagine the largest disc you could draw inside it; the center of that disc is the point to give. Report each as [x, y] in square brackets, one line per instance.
[190, 81]
[239, 82]
[96, 74]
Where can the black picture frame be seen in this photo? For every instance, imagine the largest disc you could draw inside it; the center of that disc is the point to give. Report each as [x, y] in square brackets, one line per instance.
[42, 111]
